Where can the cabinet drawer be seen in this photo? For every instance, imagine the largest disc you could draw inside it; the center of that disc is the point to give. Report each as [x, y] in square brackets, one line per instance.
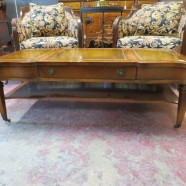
[73, 5]
[87, 72]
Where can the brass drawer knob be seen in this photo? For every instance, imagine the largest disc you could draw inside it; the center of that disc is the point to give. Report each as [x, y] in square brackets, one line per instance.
[120, 72]
[51, 71]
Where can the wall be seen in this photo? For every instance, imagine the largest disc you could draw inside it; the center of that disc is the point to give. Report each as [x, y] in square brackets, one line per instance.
[11, 11]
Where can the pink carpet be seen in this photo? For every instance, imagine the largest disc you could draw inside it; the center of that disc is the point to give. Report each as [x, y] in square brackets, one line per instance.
[67, 143]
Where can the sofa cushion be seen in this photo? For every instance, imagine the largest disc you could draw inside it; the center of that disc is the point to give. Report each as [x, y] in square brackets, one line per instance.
[49, 42]
[47, 20]
[159, 19]
[149, 42]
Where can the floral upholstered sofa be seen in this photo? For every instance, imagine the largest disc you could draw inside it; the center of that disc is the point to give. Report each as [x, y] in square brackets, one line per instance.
[157, 25]
[52, 26]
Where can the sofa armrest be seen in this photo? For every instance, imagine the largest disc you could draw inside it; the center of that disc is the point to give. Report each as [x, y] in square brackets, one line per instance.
[74, 28]
[117, 24]
[183, 47]
[80, 32]
[14, 23]
[20, 30]
[116, 30]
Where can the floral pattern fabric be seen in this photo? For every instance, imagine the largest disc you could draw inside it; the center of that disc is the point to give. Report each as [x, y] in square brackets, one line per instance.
[152, 20]
[153, 26]
[49, 42]
[71, 30]
[149, 42]
[159, 19]
[128, 27]
[24, 27]
[47, 20]
[66, 38]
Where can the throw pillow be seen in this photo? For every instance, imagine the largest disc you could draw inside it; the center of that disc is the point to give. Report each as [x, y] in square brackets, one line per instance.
[160, 19]
[129, 25]
[47, 20]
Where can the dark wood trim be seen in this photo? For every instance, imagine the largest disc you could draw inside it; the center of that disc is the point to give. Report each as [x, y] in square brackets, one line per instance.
[183, 49]
[80, 33]
[15, 34]
[2, 103]
[181, 106]
[115, 31]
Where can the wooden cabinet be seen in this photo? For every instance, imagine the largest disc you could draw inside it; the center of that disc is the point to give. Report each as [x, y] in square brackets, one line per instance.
[6, 42]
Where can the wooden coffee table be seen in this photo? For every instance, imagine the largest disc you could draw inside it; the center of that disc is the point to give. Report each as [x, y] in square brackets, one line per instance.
[145, 66]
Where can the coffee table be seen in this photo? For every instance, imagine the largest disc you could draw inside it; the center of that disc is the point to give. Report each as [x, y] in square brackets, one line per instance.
[141, 66]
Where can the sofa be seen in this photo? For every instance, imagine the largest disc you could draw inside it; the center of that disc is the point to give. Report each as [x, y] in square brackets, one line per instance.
[52, 26]
[156, 25]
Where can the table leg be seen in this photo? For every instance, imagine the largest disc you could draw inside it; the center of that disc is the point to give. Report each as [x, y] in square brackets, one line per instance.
[181, 106]
[2, 103]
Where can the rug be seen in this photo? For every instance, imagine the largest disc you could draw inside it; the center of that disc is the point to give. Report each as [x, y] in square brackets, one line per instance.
[52, 142]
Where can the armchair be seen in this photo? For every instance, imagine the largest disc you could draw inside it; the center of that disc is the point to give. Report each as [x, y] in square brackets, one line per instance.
[157, 25]
[53, 26]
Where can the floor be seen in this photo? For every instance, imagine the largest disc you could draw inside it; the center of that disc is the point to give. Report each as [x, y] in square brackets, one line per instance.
[55, 142]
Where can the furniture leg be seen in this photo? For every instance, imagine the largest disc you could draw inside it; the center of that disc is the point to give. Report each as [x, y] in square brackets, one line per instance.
[2, 103]
[181, 106]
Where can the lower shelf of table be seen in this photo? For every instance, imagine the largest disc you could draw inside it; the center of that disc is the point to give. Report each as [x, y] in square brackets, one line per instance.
[104, 91]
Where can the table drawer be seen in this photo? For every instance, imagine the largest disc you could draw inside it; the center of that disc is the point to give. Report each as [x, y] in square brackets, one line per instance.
[87, 72]
[26, 72]
[161, 73]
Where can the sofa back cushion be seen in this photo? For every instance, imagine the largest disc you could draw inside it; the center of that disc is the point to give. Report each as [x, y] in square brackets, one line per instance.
[47, 20]
[159, 19]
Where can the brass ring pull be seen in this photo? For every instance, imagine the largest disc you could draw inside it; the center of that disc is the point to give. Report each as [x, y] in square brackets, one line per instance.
[51, 71]
[120, 72]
